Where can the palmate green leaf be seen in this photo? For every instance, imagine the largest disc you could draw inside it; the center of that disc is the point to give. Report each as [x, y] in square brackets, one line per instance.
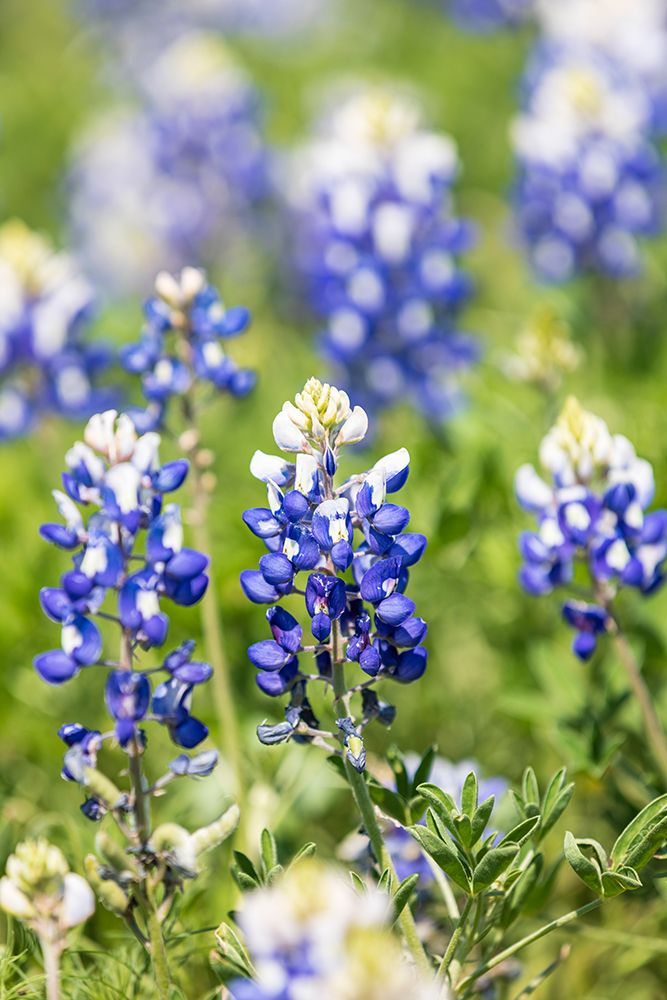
[639, 826]
[492, 866]
[588, 872]
[463, 829]
[446, 857]
[402, 895]
[469, 794]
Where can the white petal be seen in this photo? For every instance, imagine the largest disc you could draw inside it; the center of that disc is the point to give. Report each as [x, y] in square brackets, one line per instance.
[306, 473]
[287, 436]
[265, 467]
[531, 491]
[68, 510]
[124, 439]
[394, 463]
[13, 901]
[145, 452]
[355, 427]
[168, 288]
[99, 431]
[78, 902]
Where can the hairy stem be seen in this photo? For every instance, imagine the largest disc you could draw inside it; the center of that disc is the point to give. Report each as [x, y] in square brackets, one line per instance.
[368, 818]
[502, 956]
[157, 948]
[52, 950]
[454, 939]
[655, 734]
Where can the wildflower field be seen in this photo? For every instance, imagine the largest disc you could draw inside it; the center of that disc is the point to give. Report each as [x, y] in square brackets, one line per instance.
[333, 499]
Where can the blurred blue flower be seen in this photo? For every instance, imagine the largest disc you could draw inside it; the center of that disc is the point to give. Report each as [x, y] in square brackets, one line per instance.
[378, 246]
[175, 180]
[592, 512]
[590, 181]
[489, 15]
[46, 364]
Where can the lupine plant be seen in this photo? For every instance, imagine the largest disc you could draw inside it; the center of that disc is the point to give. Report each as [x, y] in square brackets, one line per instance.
[46, 364]
[379, 246]
[595, 537]
[167, 184]
[351, 542]
[183, 364]
[590, 182]
[128, 558]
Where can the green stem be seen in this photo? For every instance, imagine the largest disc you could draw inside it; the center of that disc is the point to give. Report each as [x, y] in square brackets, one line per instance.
[655, 734]
[213, 633]
[366, 809]
[502, 956]
[454, 939]
[157, 950]
[141, 810]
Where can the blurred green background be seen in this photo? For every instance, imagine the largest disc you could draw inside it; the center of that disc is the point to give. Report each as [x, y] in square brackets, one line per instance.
[502, 686]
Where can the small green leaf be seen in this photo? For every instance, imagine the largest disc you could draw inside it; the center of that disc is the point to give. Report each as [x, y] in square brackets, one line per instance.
[390, 802]
[492, 866]
[358, 882]
[556, 809]
[244, 866]
[268, 851]
[444, 856]
[481, 819]
[588, 872]
[520, 833]
[463, 828]
[273, 873]
[442, 802]
[598, 850]
[423, 771]
[632, 830]
[647, 842]
[385, 881]
[338, 764]
[469, 794]
[623, 880]
[403, 893]
[232, 950]
[245, 882]
[306, 851]
[400, 773]
[530, 788]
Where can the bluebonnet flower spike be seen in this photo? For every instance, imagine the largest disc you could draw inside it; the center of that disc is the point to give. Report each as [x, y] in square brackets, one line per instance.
[345, 549]
[128, 562]
[592, 510]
